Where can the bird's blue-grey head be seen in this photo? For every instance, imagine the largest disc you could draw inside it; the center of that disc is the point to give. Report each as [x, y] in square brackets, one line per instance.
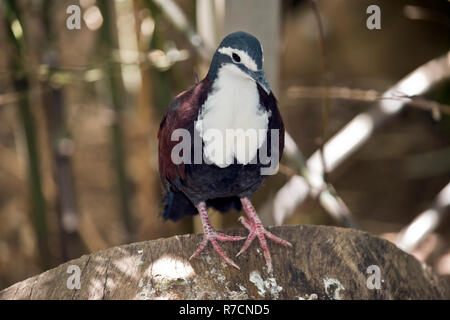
[244, 51]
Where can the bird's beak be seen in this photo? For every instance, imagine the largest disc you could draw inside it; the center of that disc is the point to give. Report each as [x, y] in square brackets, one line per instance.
[260, 78]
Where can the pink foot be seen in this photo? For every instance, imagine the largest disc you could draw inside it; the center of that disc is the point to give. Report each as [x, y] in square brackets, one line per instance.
[211, 235]
[256, 229]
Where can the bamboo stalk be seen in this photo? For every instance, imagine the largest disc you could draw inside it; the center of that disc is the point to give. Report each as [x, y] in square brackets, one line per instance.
[108, 39]
[21, 84]
[60, 144]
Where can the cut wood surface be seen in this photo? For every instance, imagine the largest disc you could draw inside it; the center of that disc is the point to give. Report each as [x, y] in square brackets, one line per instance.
[324, 263]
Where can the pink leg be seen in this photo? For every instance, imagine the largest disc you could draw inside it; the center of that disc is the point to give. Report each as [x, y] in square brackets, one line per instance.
[211, 235]
[254, 225]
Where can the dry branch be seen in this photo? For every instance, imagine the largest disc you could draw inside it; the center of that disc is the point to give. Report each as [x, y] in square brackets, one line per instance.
[426, 222]
[324, 263]
[355, 134]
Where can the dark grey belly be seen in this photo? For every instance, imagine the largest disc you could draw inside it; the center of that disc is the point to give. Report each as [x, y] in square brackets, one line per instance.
[205, 182]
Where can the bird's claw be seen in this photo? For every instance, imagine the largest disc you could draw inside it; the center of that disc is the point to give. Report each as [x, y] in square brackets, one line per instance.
[213, 237]
[257, 230]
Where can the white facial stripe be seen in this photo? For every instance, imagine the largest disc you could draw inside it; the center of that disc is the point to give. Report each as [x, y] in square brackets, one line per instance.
[246, 60]
[262, 52]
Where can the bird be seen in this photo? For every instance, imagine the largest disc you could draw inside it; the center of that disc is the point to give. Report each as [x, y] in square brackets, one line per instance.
[200, 165]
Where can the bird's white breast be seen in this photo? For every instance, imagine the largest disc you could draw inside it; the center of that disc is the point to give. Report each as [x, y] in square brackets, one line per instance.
[231, 122]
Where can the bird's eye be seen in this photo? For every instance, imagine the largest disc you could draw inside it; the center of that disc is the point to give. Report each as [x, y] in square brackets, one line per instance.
[236, 57]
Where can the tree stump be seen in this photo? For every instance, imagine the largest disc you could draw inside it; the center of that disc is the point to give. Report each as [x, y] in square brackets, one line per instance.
[324, 263]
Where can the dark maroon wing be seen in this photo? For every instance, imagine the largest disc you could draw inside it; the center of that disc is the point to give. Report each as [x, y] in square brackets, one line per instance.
[275, 121]
[182, 113]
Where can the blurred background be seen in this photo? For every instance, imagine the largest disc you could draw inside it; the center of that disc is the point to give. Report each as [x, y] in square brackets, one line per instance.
[80, 110]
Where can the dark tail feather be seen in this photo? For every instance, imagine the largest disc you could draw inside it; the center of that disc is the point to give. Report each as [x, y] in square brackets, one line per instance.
[177, 205]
